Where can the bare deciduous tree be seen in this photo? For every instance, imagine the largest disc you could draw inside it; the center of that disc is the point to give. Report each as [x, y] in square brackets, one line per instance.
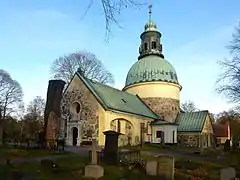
[188, 106]
[233, 118]
[36, 108]
[84, 62]
[33, 120]
[10, 96]
[113, 8]
[229, 80]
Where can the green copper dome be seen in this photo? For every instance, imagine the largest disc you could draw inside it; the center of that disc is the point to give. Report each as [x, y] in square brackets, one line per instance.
[149, 69]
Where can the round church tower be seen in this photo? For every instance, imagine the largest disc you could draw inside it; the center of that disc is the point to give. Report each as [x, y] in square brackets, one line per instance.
[153, 78]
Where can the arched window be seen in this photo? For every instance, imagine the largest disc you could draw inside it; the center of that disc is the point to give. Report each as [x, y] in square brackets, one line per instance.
[154, 45]
[75, 111]
[78, 108]
[75, 108]
[145, 46]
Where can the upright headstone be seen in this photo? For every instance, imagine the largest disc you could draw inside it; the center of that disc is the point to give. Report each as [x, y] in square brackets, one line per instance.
[52, 109]
[152, 168]
[111, 147]
[166, 167]
[228, 173]
[94, 159]
[94, 170]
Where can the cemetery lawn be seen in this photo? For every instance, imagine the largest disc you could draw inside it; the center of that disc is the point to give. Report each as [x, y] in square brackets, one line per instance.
[149, 147]
[72, 167]
[9, 152]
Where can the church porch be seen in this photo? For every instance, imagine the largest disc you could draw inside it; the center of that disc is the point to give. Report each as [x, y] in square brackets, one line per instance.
[163, 132]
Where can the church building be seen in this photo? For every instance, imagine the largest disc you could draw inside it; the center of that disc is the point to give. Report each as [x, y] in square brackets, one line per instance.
[146, 110]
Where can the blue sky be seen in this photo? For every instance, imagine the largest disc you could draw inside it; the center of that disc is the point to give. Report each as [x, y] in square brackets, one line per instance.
[34, 33]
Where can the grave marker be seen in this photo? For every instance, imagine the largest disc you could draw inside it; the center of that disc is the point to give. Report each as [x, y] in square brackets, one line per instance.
[228, 173]
[94, 159]
[94, 170]
[166, 167]
[151, 168]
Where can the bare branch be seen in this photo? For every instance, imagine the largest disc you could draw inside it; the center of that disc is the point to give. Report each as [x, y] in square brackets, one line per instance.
[113, 8]
[84, 62]
[229, 81]
[10, 93]
[188, 106]
[88, 7]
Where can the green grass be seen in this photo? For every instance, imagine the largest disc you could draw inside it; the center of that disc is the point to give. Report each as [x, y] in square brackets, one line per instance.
[69, 168]
[8, 152]
[149, 147]
[73, 168]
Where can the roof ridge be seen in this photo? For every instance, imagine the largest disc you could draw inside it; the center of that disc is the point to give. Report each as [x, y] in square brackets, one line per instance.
[113, 88]
[147, 106]
[91, 85]
[195, 111]
[85, 81]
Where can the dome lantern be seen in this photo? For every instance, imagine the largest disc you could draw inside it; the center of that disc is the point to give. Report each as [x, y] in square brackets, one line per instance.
[151, 65]
[150, 39]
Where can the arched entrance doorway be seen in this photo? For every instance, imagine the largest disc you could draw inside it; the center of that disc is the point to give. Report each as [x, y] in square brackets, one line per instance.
[74, 136]
[126, 128]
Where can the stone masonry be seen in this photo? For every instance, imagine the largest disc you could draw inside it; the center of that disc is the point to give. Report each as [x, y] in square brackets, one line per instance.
[87, 117]
[166, 108]
[52, 110]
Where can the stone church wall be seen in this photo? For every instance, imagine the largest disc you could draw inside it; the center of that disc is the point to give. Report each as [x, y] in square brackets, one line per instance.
[196, 140]
[87, 118]
[166, 108]
[189, 140]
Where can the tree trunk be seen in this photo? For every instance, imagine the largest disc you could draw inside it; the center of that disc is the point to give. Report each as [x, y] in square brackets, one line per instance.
[1, 135]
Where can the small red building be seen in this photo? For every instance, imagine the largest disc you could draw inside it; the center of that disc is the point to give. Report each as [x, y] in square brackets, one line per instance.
[222, 132]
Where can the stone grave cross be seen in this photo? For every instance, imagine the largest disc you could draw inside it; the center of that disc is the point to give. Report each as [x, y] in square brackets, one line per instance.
[94, 170]
[94, 152]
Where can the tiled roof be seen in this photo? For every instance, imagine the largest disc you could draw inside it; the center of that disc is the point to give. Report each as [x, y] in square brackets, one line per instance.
[161, 122]
[191, 121]
[117, 100]
[220, 130]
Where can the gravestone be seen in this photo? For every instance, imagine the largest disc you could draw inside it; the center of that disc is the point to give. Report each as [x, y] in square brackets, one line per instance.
[94, 170]
[151, 168]
[111, 147]
[228, 173]
[94, 152]
[47, 164]
[165, 167]
[19, 175]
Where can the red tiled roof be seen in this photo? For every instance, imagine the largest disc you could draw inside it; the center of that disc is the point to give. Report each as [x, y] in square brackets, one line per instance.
[220, 130]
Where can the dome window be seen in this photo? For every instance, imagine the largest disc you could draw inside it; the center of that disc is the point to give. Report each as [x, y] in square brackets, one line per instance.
[146, 46]
[154, 45]
[124, 100]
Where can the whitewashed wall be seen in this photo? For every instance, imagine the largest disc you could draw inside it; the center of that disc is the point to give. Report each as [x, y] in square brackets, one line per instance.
[168, 133]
